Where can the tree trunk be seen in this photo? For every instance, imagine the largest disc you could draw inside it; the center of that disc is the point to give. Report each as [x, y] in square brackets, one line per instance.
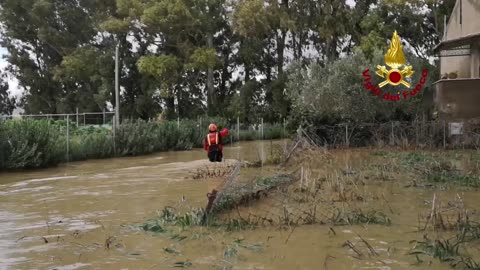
[294, 45]
[247, 72]
[225, 76]
[170, 103]
[280, 52]
[299, 46]
[332, 49]
[281, 43]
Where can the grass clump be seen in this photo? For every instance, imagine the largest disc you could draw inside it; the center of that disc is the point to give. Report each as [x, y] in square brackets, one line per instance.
[453, 250]
[448, 251]
[272, 182]
[195, 217]
[153, 226]
[359, 216]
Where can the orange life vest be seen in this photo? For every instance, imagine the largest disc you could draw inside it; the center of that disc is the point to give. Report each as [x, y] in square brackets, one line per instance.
[213, 137]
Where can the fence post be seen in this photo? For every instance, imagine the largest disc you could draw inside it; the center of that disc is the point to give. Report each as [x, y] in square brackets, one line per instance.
[200, 126]
[68, 137]
[347, 143]
[238, 128]
[263, 137]
[77, 117]
[114, 127]
[84, 120]
[444, 135]
[238, 137]
[416, 133]
[262, 150]
[103, 116]
[392, 135]
[178, 122]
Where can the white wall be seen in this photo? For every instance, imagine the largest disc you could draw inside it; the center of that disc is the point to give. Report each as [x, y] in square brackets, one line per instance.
[470, 25]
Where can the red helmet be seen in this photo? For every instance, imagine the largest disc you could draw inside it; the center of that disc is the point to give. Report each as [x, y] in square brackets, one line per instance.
[212, 127]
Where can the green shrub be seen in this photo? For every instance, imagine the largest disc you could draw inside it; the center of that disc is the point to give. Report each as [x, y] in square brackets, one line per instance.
[30, 144]
[91, 146]
[248, 135]
[135, 138]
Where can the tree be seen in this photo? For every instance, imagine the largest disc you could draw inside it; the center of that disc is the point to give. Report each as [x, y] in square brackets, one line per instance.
[180, 57]
[419, 23]
[166, 68]
[336, 93]
[37, 35]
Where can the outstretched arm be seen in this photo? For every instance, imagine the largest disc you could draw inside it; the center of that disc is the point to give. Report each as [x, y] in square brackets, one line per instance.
[224, 132]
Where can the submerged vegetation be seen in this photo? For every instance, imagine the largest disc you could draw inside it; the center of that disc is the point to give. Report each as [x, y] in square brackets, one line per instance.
[28, 144]
[433, 168]
[460, 229]
[359, 216]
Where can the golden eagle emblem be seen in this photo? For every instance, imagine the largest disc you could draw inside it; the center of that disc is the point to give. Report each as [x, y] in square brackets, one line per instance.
[395, 59]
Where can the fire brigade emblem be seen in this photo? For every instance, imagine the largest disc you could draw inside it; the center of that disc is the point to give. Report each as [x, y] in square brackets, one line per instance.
[395, 59]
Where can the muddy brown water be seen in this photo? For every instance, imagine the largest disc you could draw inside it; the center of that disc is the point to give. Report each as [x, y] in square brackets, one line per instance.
[62, 218]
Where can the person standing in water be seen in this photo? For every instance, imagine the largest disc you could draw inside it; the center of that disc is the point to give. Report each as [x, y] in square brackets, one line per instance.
[213, 143]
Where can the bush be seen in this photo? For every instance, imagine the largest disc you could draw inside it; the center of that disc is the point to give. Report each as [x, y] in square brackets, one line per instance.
[91, 146]
[270, 132]
[30, 144]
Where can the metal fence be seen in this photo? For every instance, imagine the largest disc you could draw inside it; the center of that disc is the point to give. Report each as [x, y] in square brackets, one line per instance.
[418, 134]
[72, 121]
[79, 119]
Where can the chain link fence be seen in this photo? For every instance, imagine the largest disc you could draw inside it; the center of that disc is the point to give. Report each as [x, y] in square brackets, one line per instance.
[77, 119]
[421, 134]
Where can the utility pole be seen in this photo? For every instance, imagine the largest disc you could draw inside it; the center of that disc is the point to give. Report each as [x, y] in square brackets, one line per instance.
[117, 90]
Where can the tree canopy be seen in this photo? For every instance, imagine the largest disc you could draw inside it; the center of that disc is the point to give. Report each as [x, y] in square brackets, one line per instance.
[185, 58]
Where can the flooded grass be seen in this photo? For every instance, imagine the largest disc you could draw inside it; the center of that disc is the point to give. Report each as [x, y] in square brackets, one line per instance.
[193, 218]
[456, 222]
[438, 169]
[360, 216]
[447, 251]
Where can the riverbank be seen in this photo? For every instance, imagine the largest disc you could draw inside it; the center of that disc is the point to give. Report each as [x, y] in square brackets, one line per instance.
[30, 144]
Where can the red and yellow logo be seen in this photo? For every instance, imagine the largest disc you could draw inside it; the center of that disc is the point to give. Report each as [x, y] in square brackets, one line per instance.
[396, 75]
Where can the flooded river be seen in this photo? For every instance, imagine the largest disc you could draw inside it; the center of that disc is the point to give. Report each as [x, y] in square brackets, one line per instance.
[65, 217]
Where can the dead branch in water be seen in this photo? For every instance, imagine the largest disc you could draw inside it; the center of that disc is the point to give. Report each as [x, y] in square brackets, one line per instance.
[372, 250]
[291, 232]
[432, 213]
[109, 241]
[352, 247]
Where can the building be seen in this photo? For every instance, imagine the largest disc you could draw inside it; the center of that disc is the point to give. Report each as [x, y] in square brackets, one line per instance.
[457, 93]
